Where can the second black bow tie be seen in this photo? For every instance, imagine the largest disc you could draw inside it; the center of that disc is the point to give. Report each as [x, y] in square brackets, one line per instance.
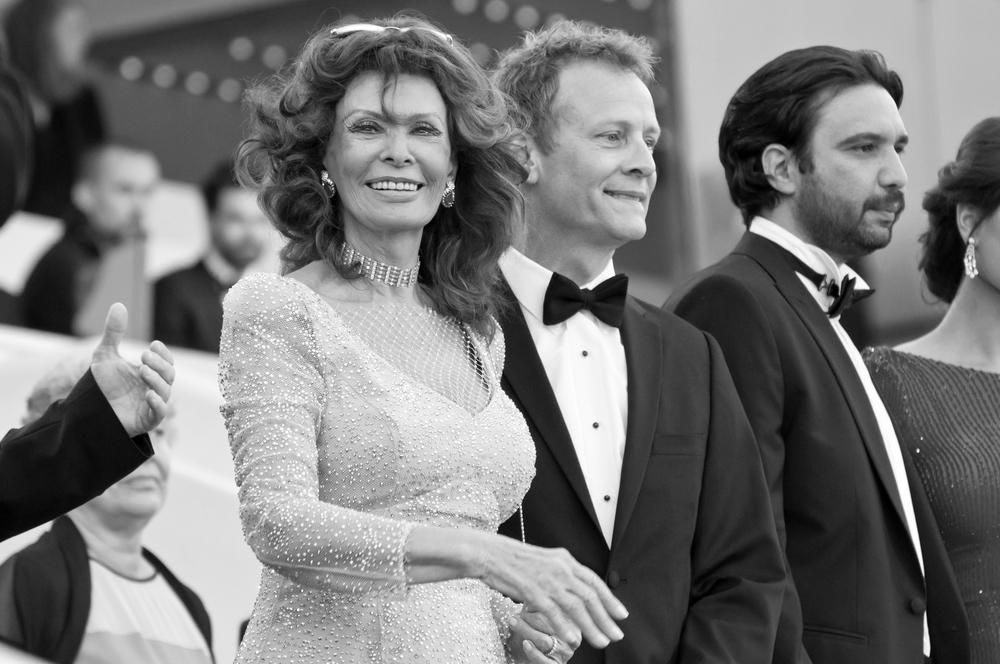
[844, 294]
[606, 301]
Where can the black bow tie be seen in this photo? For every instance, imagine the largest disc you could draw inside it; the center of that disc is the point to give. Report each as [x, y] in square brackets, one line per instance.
[563, 298]
[844, 293]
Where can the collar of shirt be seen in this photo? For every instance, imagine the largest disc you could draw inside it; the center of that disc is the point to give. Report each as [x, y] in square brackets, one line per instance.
[809, 254]
[529, 281]
[219, 267]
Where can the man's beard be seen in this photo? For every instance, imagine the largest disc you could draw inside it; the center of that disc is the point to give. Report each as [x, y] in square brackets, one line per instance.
[837, 226]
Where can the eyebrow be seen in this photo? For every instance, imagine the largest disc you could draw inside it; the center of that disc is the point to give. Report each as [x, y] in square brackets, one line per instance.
[396, 117]
[873, 137]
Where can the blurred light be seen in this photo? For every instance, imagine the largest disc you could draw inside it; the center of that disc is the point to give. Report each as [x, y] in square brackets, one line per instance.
[496, 10]
[197, 83]
[274, 56]
[464, 6]
[230, 90]
[640, 5]
[241, 48]
[481, 52]
[527, 17]
[131, 68]
[554, 18]
[165, 76]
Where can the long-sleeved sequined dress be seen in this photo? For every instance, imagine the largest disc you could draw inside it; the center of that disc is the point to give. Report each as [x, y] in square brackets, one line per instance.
[349, 425]
[948, 417]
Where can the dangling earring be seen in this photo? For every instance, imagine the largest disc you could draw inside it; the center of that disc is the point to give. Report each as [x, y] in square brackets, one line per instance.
[328, 186]
[448, 197]
[971, 269]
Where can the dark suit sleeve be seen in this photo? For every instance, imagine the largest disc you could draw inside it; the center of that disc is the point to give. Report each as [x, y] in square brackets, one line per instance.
[738, 573]
[72, 453]
[726, 309]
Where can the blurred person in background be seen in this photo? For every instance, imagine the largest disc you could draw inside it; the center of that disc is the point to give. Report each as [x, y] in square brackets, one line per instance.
[942, 390]
[87, 590]
[96, 435]
[110, 201]
[48, 42]
[61, 597]
[187, 304]
[375, 450]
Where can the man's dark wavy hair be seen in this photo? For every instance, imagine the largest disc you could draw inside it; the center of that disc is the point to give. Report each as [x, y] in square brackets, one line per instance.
[780, 103]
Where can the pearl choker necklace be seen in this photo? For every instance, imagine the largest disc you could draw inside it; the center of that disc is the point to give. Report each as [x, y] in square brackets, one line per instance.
[376, 270]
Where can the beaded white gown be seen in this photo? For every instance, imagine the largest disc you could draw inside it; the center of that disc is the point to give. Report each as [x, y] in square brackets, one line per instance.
[348, 426]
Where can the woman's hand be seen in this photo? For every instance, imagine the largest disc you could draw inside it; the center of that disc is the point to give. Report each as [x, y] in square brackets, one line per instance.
[532, 641]
[570, 597]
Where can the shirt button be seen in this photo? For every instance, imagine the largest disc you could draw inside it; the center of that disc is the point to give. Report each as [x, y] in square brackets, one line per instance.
[585, 353]
[607, 499]
[596, 425]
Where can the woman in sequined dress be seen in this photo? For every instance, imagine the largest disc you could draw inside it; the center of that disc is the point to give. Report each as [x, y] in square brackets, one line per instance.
[375, 451]
[942, 391]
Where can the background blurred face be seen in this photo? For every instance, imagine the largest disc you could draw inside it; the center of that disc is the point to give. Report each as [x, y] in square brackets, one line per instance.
[594, 186]
[391, 164]
[142, 493]
[117, 194]
[239, 229]
[849, 201]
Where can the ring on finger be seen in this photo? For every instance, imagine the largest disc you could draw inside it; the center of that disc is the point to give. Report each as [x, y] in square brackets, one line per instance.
[550, 653]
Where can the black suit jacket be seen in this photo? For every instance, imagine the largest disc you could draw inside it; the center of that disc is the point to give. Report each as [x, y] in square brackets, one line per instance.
[856, 593]
[187, 309]
[73, 452]
[694, 555]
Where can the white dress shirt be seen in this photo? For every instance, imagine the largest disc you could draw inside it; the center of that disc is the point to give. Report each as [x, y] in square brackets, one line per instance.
[821, 261]
[585, 363]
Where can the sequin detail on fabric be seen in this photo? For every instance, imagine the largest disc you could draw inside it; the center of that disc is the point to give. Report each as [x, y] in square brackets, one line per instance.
[344, 436]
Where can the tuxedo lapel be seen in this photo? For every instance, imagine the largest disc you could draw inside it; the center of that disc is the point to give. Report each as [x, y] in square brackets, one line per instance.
[643, 360]
[526, 382]
[769, 256]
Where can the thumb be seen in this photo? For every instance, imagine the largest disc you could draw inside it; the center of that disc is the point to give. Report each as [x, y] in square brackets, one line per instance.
[114, 331]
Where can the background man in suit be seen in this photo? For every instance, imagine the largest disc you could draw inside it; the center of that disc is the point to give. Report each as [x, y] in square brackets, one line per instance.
[187, 303]
[811, 147]
[646, 468]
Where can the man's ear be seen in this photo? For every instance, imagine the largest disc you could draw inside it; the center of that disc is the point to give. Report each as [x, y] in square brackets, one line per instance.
[966, 218]
[525, 150]
[82, 196]
[780, 168]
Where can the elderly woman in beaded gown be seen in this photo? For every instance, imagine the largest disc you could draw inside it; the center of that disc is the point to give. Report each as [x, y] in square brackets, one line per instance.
[375, 451]
[942, 390]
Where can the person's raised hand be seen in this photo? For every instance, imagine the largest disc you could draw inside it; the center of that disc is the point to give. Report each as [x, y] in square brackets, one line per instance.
[137, 394]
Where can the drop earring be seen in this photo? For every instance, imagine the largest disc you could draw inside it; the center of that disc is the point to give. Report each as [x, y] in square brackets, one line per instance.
[448, 197]
[328, 186]
[971, 269]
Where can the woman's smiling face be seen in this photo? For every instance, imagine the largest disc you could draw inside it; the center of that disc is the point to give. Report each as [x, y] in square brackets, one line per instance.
[389, 155]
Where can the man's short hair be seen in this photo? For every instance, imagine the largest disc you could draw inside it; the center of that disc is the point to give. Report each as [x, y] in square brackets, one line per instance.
[222, 176]
[529, 72]
[780, 103]
[89, 162]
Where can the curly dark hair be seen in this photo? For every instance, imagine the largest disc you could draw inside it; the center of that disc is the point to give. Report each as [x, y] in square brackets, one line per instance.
[973, 179]
[780, 103]
[292, 117]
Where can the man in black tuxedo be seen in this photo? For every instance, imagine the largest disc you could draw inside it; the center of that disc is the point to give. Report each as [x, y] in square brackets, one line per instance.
[811, 145]
[646, 467]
